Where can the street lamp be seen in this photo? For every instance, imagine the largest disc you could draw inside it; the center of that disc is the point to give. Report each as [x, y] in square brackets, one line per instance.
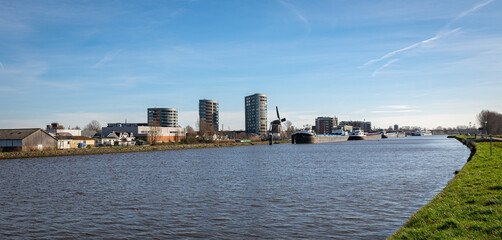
[486, 127]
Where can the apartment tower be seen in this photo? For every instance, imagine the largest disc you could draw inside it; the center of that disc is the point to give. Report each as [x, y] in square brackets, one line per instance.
[256, 113]
[209, 112]
[325, 125]
[163, 117]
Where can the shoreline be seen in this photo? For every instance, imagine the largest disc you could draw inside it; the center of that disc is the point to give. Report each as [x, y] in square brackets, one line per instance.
[470, 206]
[110, 150]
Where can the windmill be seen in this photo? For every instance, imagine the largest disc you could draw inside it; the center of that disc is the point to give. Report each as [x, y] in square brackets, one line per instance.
[275, 127]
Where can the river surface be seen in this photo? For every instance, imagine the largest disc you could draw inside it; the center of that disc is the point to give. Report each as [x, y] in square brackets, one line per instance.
[347, 190]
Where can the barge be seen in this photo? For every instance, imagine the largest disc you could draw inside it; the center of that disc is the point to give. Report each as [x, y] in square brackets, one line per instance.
[392, 134]
[309, 136]
[361, 135]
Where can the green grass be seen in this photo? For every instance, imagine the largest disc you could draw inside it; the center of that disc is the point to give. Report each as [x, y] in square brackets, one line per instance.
[470, 207]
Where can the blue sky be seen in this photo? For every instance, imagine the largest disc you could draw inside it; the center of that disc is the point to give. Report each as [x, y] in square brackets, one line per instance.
[412, 63]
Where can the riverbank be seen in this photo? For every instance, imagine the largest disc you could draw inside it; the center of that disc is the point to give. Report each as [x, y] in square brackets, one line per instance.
[470, 206]
[108, 150]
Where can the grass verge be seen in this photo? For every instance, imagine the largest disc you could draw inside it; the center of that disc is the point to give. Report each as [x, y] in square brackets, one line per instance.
[470, 206]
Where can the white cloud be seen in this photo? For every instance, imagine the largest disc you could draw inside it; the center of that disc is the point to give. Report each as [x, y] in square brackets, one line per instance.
[295, 12]
[415, 45]
[379, 70]
[425, 120]
[397, 109]
[108, 57]
[465, 13]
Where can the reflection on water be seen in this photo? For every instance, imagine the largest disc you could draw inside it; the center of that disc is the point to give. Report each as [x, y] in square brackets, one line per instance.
[356, 189]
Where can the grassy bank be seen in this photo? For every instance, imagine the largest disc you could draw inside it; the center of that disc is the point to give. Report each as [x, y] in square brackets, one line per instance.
[470, 207]
[107, 150]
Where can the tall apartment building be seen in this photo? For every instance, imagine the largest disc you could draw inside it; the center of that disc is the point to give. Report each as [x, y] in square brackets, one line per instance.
[256, 113]
[163, 117]
[209, 112]
[325, 125]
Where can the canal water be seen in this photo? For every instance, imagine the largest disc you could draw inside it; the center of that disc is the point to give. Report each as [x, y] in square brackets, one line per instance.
[347, 190]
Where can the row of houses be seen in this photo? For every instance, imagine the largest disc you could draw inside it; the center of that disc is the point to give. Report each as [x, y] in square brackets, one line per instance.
[37, 139]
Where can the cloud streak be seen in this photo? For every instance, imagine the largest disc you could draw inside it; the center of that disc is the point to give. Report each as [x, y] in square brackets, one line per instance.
[442, 33]
[384, 66]
[465, 13]
[108, 57]
[295, 11]
[397, 109]
[415, 45]
[1, 67]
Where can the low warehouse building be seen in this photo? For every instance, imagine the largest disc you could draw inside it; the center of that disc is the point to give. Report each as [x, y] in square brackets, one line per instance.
[26, 140]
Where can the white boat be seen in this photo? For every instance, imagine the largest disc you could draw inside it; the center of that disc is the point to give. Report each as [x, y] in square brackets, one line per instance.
[422, 133]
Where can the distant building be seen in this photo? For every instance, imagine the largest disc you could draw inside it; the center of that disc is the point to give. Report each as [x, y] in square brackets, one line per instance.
[26, 140]
[325, 125]
[256, 113]
[56, 129]
[68, 142]
[396, 127]
[163, 117]
[126, 124]
[117, 138]
[209, 112]
[365, 126]
[150, 133]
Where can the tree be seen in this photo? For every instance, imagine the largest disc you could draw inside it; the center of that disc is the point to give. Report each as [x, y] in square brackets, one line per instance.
[206, 131]
[191, 135]
[289, 128]
[154, 133]
[490, 121]
[94, 125]
[91, 128]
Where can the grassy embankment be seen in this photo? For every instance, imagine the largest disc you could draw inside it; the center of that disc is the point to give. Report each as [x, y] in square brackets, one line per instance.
[470, 207]
[106, 150]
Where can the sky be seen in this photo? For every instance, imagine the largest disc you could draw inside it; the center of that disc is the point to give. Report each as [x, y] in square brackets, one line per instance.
[412, 63]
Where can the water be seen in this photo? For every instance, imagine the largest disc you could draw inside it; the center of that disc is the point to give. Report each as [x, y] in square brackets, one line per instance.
[349, 190]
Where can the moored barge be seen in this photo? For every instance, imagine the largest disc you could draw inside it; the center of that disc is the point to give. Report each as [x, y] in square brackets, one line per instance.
[309, 136]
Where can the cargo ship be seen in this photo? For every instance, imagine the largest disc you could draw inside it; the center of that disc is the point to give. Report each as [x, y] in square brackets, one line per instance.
[309, 136]
[422, 133]
[386, 134]
[361, 135]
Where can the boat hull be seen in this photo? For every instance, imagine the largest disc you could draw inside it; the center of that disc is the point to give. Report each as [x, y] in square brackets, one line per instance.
[310, 138]
[367, 137]
[393, 135]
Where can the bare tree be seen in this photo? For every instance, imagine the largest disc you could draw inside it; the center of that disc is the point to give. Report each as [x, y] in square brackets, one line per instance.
[289, 128]
[206, 131]
[94, 125]
[154, 133]
[490, 121]
[191, 135]
[91, 128]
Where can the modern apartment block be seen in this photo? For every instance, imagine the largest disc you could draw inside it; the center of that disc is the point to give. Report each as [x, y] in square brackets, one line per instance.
[209, 112]
[365, 126]
[256, 113]
[325, 125]
[163, 117]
